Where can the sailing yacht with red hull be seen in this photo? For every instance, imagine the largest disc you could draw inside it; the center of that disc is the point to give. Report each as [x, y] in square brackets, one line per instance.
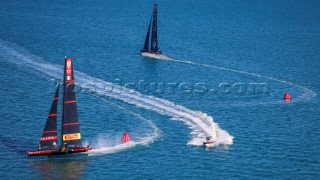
[70, 128]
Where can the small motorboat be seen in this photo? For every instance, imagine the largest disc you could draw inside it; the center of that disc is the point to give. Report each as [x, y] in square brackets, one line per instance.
[209, 142]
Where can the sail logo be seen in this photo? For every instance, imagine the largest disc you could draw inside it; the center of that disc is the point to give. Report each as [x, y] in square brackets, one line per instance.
[47, 138]
[68, 137]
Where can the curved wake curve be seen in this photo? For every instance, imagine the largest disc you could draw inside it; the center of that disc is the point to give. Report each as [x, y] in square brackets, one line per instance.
[307, 95]
[101, 147]
[200, 123]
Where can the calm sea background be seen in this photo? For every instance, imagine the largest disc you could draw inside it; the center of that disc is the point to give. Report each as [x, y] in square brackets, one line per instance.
[206, 41]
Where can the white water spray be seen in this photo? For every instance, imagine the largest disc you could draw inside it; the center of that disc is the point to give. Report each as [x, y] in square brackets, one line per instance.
[200, 123]
[103, 144]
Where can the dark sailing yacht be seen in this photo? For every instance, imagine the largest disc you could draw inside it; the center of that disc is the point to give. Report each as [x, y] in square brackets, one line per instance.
[154, 48]
[70, 133]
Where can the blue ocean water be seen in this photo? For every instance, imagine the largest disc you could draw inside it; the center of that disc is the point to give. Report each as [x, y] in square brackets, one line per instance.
[223, 44]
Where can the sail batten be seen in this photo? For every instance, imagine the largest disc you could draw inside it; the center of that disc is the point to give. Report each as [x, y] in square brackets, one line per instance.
[70, 123]
[49, 136]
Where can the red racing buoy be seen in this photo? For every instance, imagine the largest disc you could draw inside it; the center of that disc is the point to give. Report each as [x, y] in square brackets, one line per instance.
[125, 137]
[287, 97]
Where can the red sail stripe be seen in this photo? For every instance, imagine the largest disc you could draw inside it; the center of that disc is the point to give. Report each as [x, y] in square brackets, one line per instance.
[44, 132]
[68, 102]
[47, 138]
[52, 115]
[70, 124]
[69, 81]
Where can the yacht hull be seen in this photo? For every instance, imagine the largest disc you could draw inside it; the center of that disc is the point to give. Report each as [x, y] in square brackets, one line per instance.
[57, 152]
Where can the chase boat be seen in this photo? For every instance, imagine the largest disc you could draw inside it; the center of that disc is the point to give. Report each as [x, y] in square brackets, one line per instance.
[209, 142]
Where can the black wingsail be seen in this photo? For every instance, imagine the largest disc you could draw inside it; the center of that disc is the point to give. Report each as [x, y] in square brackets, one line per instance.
[70, 123]
[70, 133]
[154, 48]
[49, 135]
[146, 42]
[154, 36]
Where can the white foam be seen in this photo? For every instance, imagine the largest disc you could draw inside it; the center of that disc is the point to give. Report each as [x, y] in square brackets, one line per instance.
[157, 56]
[306, 96]
[104, 144]
[200, 123]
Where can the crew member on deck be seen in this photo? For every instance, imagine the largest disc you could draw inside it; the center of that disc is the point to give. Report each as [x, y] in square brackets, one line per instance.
[208, 139]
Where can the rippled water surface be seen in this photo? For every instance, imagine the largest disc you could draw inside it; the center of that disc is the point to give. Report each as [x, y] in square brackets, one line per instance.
[270, 45]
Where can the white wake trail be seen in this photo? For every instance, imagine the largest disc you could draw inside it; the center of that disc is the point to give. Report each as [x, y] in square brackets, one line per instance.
[103, 144]
[306, 96]
[200, 123]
